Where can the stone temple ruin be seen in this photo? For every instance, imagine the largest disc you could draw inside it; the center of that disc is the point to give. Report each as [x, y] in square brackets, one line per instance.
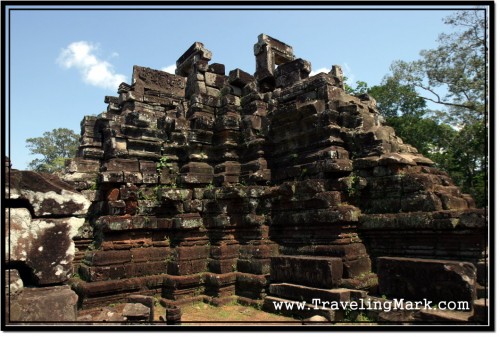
[215, 187]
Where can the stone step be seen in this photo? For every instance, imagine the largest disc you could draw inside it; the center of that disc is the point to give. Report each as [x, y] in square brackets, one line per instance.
[303, 293]
[47, 304]
[299, 309]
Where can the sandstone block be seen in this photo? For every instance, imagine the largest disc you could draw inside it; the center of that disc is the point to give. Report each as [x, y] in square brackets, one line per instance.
[321, 272]
[240, 78]
[33, 304]
[147, 301]
[436, 280]
[136, 312]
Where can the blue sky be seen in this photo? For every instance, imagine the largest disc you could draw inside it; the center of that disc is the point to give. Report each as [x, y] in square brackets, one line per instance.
[63, 63]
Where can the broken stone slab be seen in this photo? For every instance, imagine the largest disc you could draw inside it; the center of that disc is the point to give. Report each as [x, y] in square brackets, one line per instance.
[292, 72]
[240, 78]
[217, 68]
[136, 312]
[46, 193]
[435, 280]
[196, 52]
[45, 245]
[147, 301]
[320, 272]
[157, 83]
[49, 305]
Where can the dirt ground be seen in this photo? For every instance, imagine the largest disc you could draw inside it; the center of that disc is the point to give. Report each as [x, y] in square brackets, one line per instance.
[205, 314]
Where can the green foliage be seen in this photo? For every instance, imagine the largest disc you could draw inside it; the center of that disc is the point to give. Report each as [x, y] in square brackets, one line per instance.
[55, 147]
[363, 318]
[95, 185]
[361, 87]
[162, 163]
[353, 185]
[395, 99]
[167, 241]
[468, 164]
[458, 65]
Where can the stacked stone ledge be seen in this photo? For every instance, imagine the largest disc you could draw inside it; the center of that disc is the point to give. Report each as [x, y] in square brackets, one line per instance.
[203, 183]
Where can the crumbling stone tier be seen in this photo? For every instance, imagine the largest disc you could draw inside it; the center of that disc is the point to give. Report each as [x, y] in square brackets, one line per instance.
[213, 185]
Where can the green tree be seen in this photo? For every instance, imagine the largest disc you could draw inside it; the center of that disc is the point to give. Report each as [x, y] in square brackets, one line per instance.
[458, 66]
[361, 87]
[468, 162]
[54, 146]
[395, 99]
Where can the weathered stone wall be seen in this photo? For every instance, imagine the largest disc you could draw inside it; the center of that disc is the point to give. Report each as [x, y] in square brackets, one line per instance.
[207, 185]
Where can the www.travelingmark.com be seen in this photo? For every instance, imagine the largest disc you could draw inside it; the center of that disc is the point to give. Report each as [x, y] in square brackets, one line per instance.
[385, 305]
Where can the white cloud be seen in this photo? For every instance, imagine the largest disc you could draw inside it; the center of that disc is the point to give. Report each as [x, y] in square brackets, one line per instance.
[100, 73]
[170, 69]
[351, 78]
[320, 70]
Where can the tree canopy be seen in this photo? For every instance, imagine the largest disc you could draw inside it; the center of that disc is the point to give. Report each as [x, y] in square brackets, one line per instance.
[54, 146]
[458, 66]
